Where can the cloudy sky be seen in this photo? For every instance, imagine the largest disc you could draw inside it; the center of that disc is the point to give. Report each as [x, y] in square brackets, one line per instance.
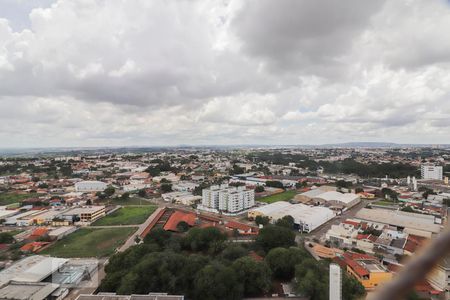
[169, 72]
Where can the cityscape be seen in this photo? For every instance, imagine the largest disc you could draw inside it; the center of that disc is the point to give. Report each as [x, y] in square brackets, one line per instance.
[76, 223]
[224, 150]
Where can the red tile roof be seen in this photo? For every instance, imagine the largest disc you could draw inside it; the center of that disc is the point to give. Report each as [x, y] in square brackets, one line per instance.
[38, 232]
[362, 236]
[33, 246]
[178, 217]
[355, 224]
[240, 226]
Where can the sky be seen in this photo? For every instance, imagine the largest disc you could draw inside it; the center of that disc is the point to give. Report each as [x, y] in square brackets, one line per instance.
[225, 72]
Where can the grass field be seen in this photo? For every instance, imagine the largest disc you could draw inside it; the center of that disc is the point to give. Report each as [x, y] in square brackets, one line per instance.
[128, 215]
[9, 198]
[284, 196]
[88, 242]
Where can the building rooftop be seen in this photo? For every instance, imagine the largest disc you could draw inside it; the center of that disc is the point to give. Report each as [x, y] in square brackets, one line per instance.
[31, 269]
[28, 291]
[400, 218]
[112, 296]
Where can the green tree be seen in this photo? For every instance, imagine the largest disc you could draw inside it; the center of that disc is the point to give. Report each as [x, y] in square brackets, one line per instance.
[255, 276]
[233, 252]
[274, 184]
[275, 236]
[125, 196]
[262, 220]
[166, 187]
[157, 236]
[282, 261]
[259, 189]
[209, 239]
[182, 226]
[286, 221]
[6, 238]
[216, 281]
[109, 191]
[142, 193]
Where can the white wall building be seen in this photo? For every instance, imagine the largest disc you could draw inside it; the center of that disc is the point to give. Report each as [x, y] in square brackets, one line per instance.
[431, 172]
[90, 186]
[229, 199]
[306, 218]
[335, 282]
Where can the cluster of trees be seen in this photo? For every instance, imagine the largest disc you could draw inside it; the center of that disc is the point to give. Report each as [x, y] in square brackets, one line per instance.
[6, 238]
[274, 184]
[202, 264]
[162, 166]
[387, 193]
[236, 170]
[351, 166]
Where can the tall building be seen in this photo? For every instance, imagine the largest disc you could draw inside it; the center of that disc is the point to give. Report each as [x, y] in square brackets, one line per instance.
[430, 171]
[335, 282]
[229, 199]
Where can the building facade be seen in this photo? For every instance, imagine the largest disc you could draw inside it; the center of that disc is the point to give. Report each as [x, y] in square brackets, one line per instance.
[228, 199]
[431, 172]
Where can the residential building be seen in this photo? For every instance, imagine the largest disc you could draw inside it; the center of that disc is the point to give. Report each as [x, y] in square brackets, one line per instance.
[365, 268]
[228, 199]
[431, 172]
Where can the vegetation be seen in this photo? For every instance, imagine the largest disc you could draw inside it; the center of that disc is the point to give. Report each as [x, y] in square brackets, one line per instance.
[202, 264]
[284, 196]
[312, 279]
[88, 242]
[275, 236]
[262, 220]
[259, 189]
[128, 215]
[6, 238]
[10, 198]
[350, 166]
[274, 184]
[166, 187]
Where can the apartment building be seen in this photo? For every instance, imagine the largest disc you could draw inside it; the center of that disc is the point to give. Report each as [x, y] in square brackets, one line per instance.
[431, 172]
[228, 199]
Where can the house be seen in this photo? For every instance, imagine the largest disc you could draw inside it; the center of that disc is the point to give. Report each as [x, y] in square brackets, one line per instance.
[365, 268]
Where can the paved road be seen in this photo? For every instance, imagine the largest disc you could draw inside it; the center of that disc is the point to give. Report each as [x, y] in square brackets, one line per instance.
[130, 242]
[320, 232]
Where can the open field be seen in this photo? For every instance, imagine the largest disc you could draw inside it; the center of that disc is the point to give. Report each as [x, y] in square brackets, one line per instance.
[128, 215]
[10, 198]
[88, 242]
[284, 196]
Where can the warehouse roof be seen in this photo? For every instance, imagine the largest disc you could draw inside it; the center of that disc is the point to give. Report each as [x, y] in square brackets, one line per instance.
[336, 196]
[400, 218]
[28, 291]
[31, 269]
[269, 208]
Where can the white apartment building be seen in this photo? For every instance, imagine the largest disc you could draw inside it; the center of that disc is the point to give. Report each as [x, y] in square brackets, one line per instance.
[228, 199]
[431, 172]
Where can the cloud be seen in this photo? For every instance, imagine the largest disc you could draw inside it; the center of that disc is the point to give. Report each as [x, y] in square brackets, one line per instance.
[193, 72]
